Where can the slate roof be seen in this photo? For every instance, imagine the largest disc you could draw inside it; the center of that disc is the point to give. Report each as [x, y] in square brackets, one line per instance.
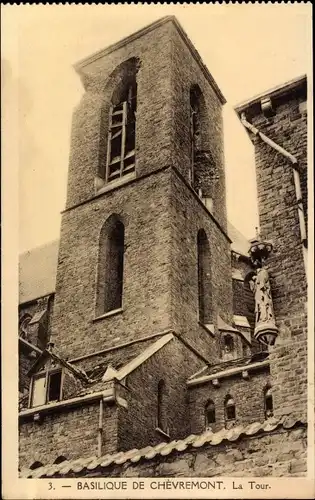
[83, 466]
[239, 243]
[37, 271]
[38, 266]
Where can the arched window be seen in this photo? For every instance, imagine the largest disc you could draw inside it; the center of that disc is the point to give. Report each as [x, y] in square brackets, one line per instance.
[23, 325]
[268, 402]
[204, 278]
[229, 408]
[36, 465]
[121, 142]
[194, 129]
[161, 409]
[202, 165]
[110, 266]
[209, 413]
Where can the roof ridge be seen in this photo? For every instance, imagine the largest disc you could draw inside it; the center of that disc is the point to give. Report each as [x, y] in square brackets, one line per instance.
[149, 452]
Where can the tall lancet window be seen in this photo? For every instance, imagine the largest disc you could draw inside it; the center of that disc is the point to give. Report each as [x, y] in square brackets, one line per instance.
[204, 279]
[110, 266]
[161, 408]
[194, 129]
[121, 145]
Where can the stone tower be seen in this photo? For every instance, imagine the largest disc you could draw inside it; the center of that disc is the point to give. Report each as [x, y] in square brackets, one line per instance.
[144, 279]
[277, 125]
[146, 192]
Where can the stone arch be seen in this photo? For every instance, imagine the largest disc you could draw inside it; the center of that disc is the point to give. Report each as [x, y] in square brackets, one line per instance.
[202, 162]
[118, 122]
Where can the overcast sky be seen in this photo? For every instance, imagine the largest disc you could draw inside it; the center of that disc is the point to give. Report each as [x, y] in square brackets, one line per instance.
[247, 48]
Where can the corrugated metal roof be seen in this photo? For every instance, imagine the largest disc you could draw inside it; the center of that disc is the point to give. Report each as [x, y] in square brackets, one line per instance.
[86, 465]
[38, 266]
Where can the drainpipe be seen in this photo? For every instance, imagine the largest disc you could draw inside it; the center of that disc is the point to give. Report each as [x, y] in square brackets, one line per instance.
[100, 430]
[297, 182]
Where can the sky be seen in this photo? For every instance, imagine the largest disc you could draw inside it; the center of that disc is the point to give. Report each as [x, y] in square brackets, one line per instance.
[248, 49]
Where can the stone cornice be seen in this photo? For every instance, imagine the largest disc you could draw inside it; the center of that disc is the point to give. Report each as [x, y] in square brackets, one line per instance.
[80, 65]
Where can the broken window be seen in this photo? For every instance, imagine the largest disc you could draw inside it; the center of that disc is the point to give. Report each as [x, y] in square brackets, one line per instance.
[122, 133]
[54, 385]
[46, 388]
[228, 344]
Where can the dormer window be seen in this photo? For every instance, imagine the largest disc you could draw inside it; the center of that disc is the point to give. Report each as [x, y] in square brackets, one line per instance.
[46, 388]
[228, 344]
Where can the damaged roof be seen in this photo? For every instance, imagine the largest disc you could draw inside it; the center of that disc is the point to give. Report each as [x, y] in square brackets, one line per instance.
[222, 367]
[94, 464]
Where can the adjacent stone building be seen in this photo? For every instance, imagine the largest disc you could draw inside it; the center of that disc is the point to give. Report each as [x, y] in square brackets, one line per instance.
[153, 328]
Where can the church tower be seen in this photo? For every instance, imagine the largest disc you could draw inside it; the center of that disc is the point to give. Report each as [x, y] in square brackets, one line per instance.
[144, 247]
[144, 282]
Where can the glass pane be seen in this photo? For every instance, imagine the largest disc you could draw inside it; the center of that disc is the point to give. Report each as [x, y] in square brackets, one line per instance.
[39, 393]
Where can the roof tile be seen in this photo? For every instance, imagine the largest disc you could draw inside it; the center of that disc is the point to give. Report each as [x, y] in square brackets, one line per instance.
[134, 455]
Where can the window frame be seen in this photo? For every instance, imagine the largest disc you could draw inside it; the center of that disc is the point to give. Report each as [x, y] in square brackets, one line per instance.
[116, 130]
[46, 375]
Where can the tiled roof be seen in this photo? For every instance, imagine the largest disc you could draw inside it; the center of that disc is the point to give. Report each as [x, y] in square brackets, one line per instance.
[83, 466]
[38, 266]
[37, 271]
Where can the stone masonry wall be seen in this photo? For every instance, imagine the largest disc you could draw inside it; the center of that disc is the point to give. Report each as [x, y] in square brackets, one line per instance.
[72, 433]
[188, 215]
[174, 363]
[25, 363]
[282, 453]
[288, 369]
[154, 119]
[143, 207]
[248, 395]
[278, 213]
[186, 73]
